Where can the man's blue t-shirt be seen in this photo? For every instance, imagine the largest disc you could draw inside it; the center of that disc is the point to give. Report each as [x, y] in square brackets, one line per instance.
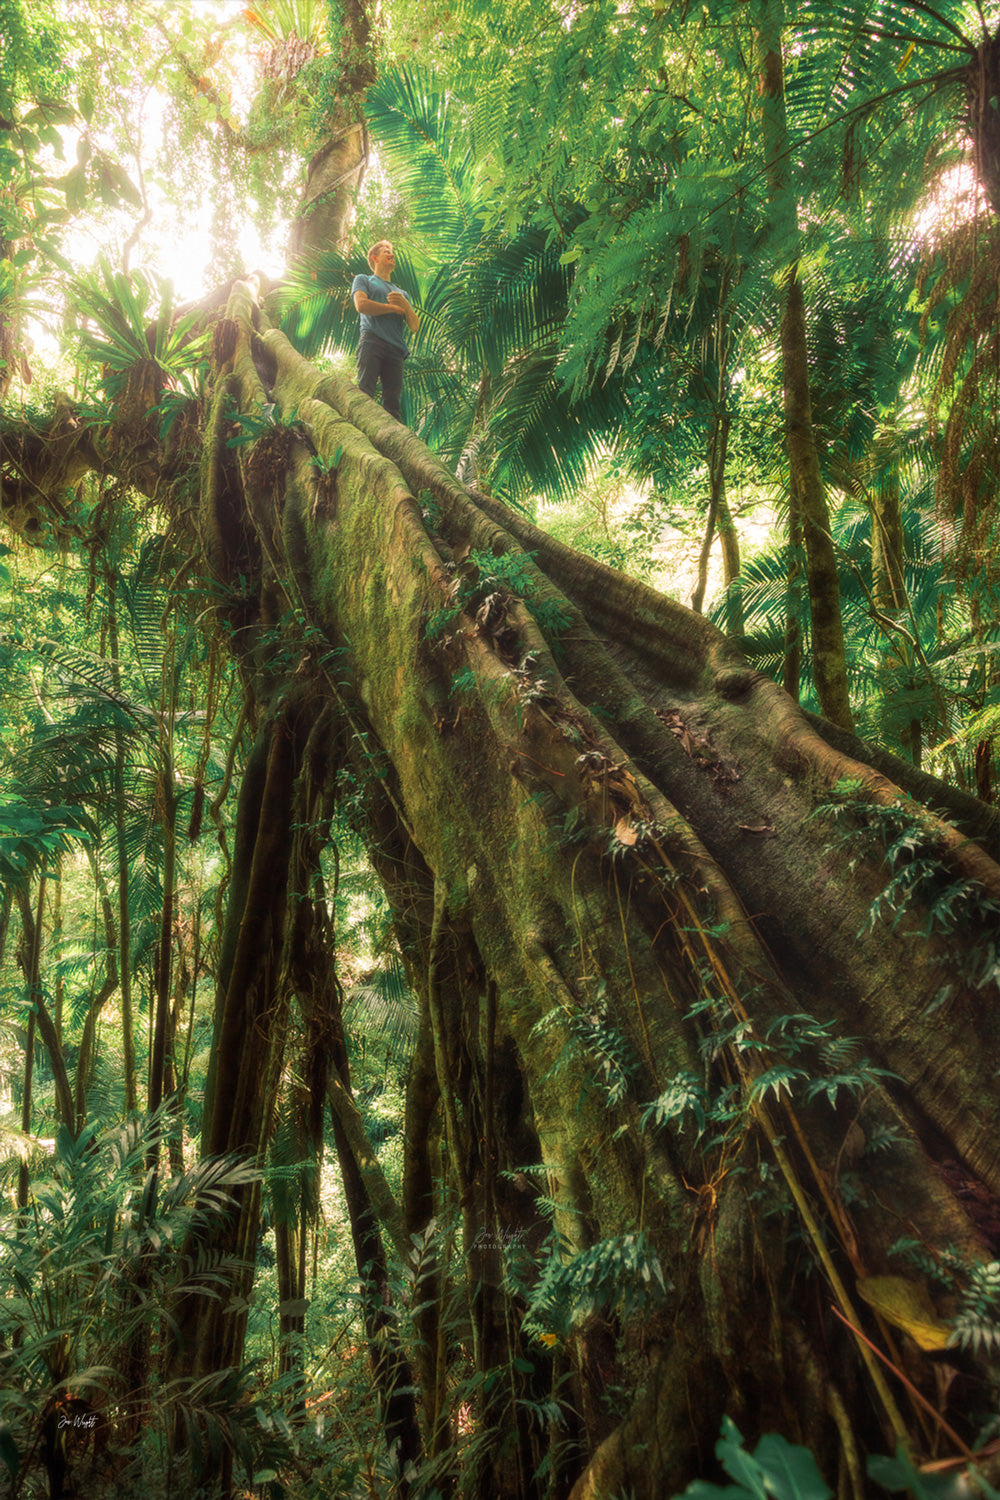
[390, 327]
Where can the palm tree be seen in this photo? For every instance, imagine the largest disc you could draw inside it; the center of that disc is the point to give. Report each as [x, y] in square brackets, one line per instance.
[105, 737]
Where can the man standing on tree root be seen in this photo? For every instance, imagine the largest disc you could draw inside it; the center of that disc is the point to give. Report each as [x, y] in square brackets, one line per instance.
[386, 313]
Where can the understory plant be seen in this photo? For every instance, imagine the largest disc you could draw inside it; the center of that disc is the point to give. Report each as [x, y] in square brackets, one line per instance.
[98, 1249]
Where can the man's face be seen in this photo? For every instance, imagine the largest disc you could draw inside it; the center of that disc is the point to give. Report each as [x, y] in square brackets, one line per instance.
[383, 261]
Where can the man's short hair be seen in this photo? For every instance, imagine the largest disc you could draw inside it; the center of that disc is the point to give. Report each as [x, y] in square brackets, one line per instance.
[371, 253]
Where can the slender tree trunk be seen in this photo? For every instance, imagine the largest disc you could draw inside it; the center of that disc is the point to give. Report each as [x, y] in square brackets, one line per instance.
[390, 1367]
[171, 1078]
[167, 817]
[422, 1126]
[291, 1293]
[59, 986]
[161, 1045]
[899, 665]
[805, 479]
[138, 1356]
[124, 908]
[32, 924]
[791, 665]
[716, 503]
[719, 516]
[731, 562]
[99, 997]
[31, 962]
[13, 357]
[888, 586]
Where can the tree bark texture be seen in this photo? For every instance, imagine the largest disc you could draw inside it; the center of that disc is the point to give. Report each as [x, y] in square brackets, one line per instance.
[620, 863]
[614, 829]
[335, 173]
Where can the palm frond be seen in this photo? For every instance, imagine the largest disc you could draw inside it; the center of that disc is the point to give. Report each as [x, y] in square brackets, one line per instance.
[315, 305]
[385, 1011]
[422, 131]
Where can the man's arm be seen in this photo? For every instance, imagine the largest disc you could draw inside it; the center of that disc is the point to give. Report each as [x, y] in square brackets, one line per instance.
[397, 304]
[402, 304]
[365, 304]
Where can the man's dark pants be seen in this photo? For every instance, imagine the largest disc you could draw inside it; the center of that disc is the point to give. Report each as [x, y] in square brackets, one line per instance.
[377, 361]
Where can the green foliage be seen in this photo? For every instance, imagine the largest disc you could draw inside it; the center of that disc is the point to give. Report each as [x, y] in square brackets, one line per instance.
[32, 64]
[483, 385]
[92, 1264]
[776, 1470]
[488, 575]
[185, 395]
[900, 1475]
[509, 571]
[585, 221]
[685, 1094]
[326, 467]
[619, 1275]
[594, 1047]
[133, 324]
[800, 1057]
[977, 1322]
[921, 881]
[974, 1285]
[81, 749]
[844, 1069]
[780, 1470]
[383, 1013]
[284, 20]
[104, 733]
[609, 520]
[32, 837]
[251, 426]
[917, 667]
[913, 72]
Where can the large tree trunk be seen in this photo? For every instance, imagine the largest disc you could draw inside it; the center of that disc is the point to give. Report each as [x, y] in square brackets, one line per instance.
[624, 868]
[618, 880]
[333, 180]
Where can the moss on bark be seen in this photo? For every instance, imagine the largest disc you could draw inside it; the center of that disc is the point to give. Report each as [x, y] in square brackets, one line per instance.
[598, 833]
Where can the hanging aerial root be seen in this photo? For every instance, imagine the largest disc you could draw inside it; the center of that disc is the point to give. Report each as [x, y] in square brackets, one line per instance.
[383, 1201]
[225, 535]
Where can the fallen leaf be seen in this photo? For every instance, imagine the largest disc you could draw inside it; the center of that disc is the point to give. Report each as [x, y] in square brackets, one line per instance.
[907, 1305]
